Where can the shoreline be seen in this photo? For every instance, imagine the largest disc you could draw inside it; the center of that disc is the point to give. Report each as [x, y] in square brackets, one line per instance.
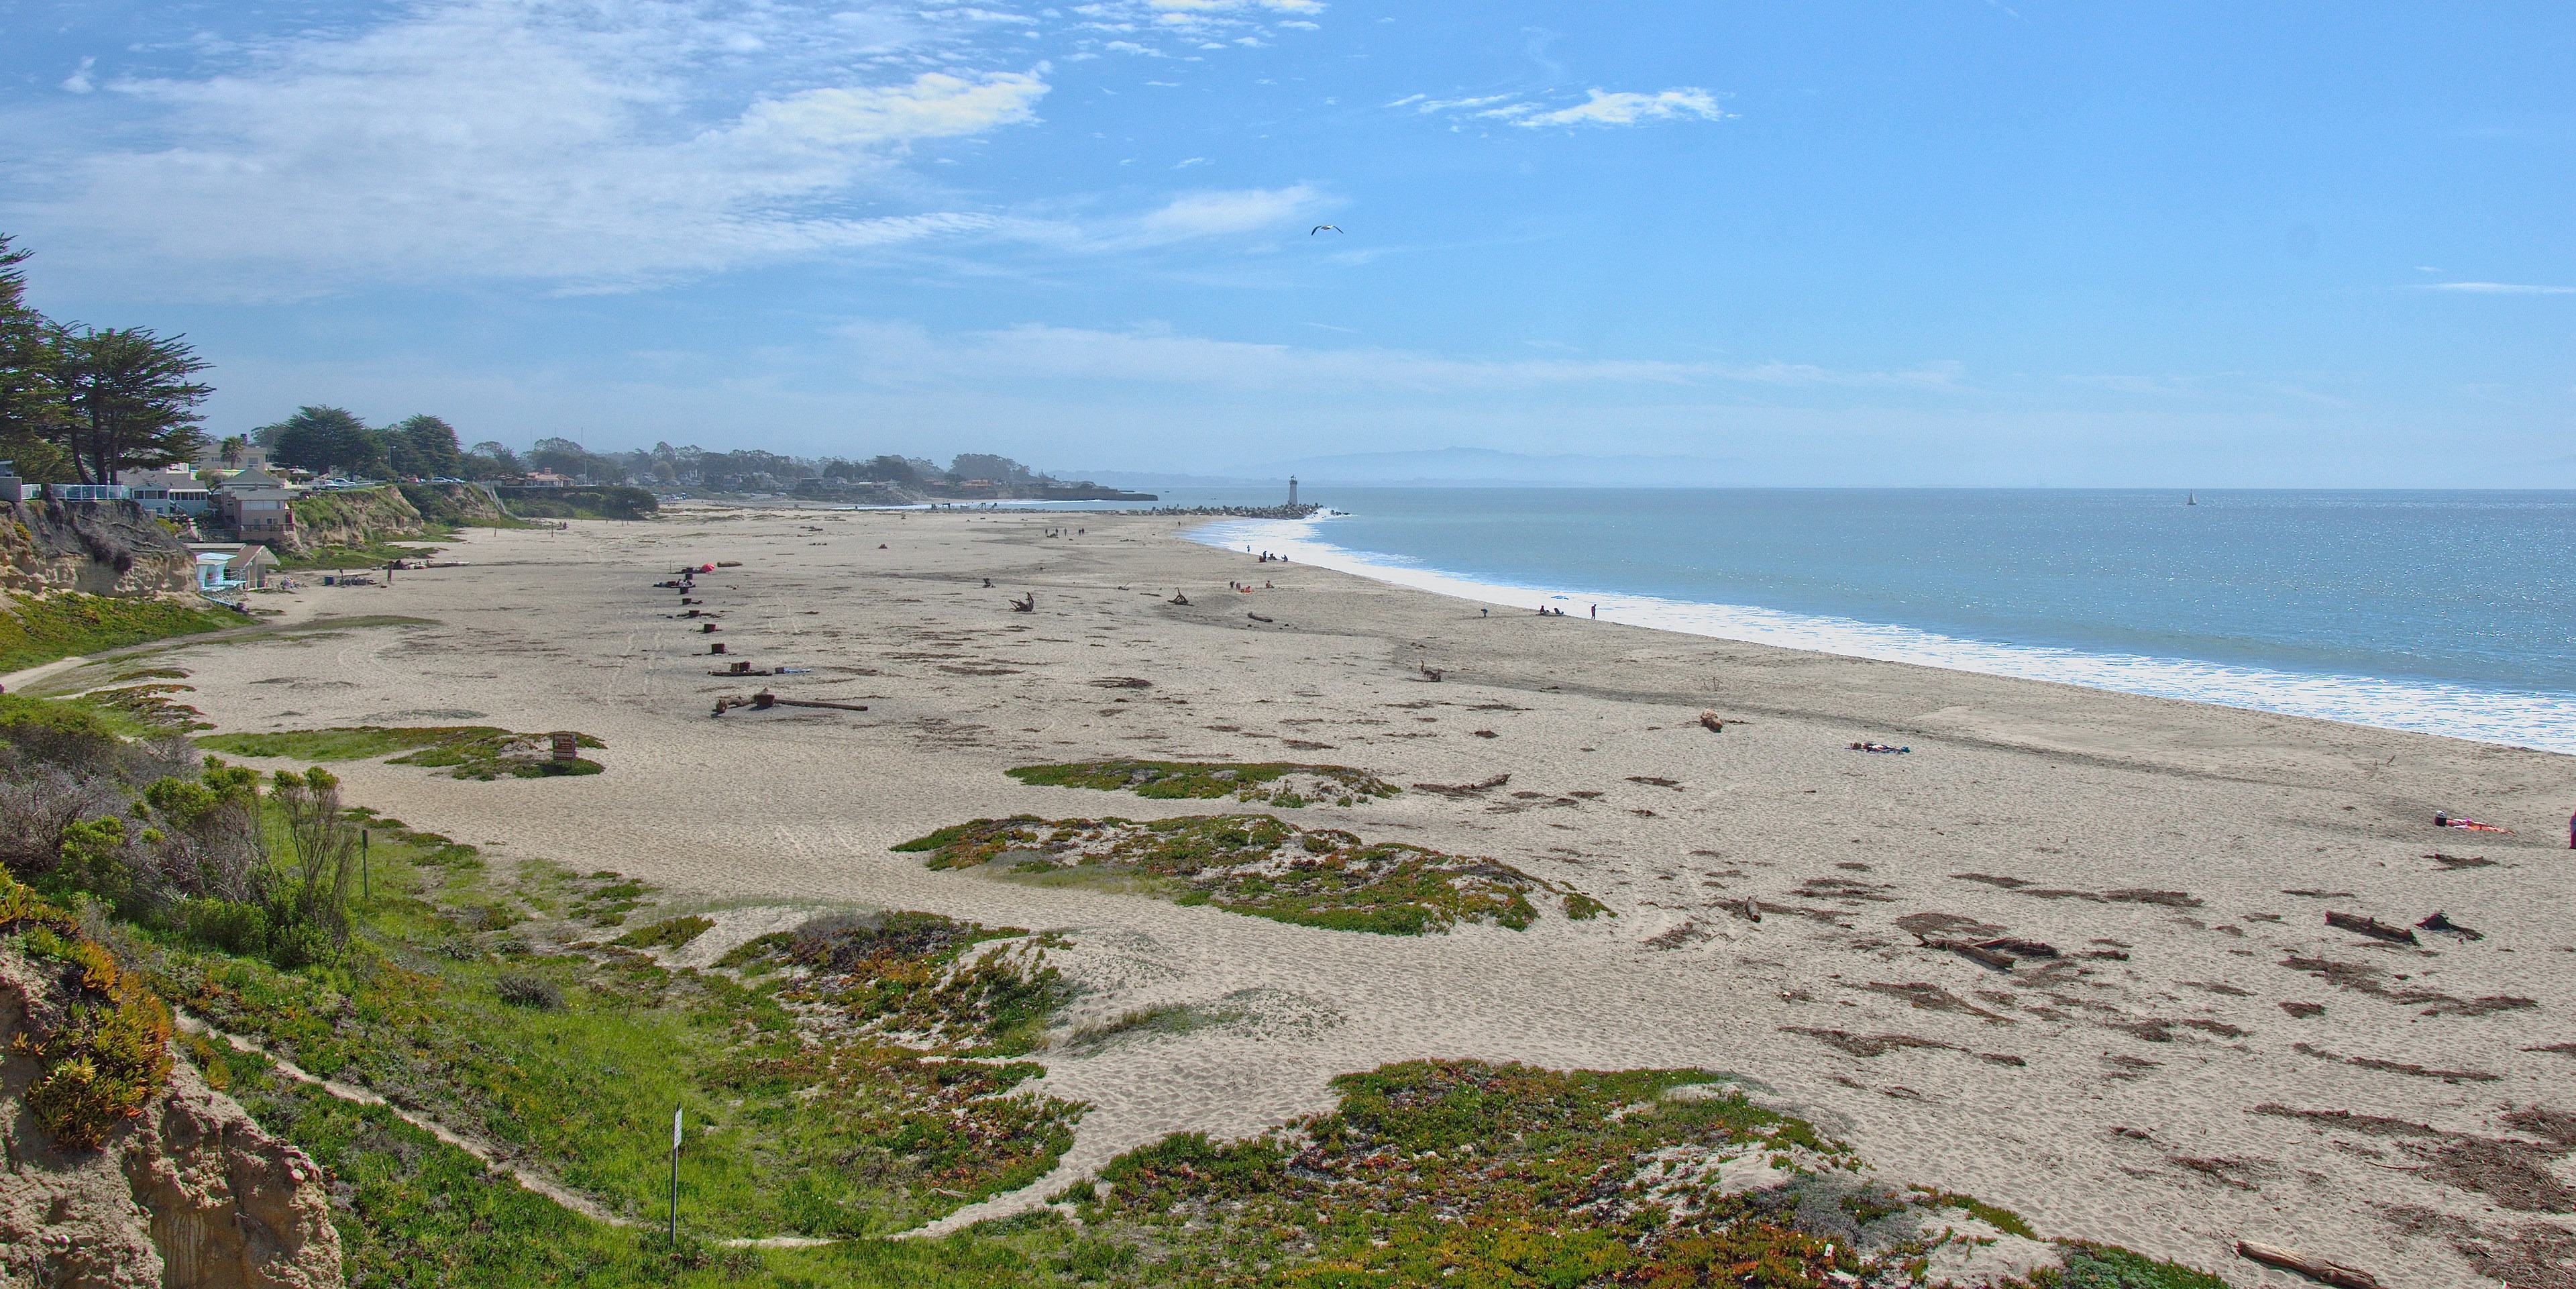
[2176, 831]
[2537, 720]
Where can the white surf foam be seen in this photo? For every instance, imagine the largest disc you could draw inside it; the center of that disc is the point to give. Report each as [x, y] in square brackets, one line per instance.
[2546, 721]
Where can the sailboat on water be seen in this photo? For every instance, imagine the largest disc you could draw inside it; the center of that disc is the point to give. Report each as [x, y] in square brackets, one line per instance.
[2191, 499]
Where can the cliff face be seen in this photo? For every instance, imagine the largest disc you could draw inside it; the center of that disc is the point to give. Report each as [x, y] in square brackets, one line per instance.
[351, 519]
[95, 547]
[193, 1194]
[454, 503]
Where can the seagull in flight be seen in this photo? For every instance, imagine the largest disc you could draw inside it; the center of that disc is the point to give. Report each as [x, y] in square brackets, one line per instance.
[1321, 227]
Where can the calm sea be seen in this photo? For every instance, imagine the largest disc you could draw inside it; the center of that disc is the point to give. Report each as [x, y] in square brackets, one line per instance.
[2442, 612]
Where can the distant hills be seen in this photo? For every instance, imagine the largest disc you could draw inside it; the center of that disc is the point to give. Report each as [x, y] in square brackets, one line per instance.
[1464, 467]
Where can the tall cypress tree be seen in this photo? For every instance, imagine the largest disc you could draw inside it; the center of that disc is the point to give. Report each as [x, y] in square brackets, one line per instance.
[31, 406]
[131, 398]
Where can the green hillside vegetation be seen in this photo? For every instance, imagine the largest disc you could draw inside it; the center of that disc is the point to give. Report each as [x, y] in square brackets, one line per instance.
[1257, 865]
[38, 630]
[467, 751]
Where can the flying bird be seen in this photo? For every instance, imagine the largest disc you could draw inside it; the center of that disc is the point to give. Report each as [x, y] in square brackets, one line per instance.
[1321, 227]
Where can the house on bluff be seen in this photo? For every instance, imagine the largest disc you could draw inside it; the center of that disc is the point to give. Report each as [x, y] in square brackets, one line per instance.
[256, 505]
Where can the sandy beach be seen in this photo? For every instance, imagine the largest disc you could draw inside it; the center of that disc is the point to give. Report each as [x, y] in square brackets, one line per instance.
[2170, 1083]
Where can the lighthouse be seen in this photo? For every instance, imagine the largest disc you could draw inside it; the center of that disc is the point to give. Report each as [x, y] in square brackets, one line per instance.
[1292, 490]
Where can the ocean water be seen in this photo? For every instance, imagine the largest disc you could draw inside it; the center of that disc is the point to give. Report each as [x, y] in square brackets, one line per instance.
[2441, 612]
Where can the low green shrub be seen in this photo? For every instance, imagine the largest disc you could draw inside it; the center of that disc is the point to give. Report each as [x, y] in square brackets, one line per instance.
[669, 933]
[533, 992]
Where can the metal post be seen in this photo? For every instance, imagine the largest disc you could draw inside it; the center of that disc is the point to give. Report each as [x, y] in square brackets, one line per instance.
[675, 1179]
[366, 888]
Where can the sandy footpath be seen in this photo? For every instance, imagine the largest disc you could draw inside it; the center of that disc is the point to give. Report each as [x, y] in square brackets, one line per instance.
[2150, 1095]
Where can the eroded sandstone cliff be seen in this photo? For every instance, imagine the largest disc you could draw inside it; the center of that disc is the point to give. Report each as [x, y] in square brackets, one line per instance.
[190, 1194]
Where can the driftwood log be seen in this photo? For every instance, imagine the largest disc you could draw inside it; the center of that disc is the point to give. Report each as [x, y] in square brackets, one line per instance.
[1976, 953]
[2317, 1269]
[2370, 927]
[1464, 789]
[1712, 722]
[764, 700]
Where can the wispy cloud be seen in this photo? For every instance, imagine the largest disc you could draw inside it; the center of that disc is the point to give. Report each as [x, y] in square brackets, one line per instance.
[1603, 107]
[2496, 288]
[1629, 109]
[1209, 214]
[905, 354]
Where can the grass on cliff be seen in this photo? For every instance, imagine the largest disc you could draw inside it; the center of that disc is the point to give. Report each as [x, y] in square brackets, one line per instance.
[1276, 783]
[466, 751]
[437, 507]
[38, 630]
[1258, 865]
[836, 1082]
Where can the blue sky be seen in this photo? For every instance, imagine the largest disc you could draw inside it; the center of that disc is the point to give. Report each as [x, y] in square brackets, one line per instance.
[1966, 242]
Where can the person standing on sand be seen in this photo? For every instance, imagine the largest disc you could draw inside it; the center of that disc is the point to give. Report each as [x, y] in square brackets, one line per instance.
[1596, 610]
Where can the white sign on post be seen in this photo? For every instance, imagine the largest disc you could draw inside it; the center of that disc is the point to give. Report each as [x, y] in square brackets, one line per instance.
[675, 1129]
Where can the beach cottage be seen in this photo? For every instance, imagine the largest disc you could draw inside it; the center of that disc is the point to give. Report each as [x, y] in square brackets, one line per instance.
[234, 566]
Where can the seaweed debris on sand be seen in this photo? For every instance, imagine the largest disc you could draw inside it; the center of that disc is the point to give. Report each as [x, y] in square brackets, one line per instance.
[1259, 865]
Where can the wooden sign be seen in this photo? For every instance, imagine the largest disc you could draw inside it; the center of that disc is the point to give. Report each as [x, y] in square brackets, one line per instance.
[567, 747]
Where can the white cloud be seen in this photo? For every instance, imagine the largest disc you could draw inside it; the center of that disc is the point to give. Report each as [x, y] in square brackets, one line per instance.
[79, 81]
[2497, 288]
[935, 105]
[1208, 214]
[1629, 109]
[595, 145]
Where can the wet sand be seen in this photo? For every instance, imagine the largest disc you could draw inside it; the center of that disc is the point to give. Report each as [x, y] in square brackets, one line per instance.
[2181, 857]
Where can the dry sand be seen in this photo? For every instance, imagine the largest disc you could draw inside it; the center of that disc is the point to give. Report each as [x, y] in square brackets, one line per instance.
[2109, 1098]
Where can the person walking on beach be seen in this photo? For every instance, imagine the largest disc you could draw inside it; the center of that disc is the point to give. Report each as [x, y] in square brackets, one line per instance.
[1596, 610]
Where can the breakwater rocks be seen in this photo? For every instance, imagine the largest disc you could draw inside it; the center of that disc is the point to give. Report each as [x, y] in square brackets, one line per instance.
[1298, 511]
